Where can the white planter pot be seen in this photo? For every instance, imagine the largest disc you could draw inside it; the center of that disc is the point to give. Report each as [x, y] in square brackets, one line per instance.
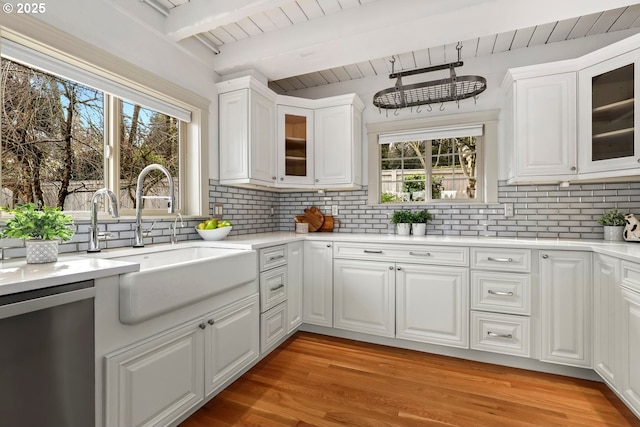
[41, 251]
[613, 233]
[404, 229]
[419, 229]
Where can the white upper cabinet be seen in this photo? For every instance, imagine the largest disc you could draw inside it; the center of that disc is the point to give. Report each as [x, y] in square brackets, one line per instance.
[286, 142]
[295, 147]
[542, 126]
[576, 119]
[608, 140]
[246, 133]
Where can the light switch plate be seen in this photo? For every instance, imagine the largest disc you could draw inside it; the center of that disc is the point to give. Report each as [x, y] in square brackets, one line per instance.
[334, 210]
[508, 210]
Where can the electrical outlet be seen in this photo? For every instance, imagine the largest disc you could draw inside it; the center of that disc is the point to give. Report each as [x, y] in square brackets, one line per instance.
[508, 210]
[334, 210]
[217, 210]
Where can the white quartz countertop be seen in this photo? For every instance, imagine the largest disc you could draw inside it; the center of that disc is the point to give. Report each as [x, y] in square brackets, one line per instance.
[629, 251]
[17, 276]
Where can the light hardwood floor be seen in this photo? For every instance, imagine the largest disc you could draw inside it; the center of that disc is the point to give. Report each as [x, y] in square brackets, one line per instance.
[315, 380]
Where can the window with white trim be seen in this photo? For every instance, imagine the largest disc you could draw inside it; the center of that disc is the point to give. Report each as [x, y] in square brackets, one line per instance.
[67, 132]
[446, 159]
[430, 164]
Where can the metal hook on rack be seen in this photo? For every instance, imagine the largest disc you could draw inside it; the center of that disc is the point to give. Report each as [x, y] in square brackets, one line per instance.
[396, 112]
[429, 109]
[418, 110]
[441, 107]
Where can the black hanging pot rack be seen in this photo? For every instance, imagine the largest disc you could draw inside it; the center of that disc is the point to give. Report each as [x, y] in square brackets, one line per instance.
[454, 88]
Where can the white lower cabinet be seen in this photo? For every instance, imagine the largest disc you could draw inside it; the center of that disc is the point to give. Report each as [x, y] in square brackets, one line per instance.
[317, 307]
[295, 257]
[630, 349]
[500, 333]
[565, 307]
[432, 304]
[606, 312]
[273, 326]
[364, 295]
[154, 382]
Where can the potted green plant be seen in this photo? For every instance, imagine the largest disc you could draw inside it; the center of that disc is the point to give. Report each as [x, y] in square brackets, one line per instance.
[613, 223]
[419, 222]
[42, 230]
[402, 219]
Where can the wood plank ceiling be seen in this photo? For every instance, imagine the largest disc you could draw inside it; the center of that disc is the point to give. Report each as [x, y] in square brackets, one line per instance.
[299, 11]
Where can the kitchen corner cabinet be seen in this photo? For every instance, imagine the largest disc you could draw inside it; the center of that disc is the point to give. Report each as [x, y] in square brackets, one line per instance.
[608, 116]
[317, 308]
[629, 384]
[247, 114]
[295, 148]
[319, 142]
[541, 125]
[606, 312]
[565, 307]
[155, 382]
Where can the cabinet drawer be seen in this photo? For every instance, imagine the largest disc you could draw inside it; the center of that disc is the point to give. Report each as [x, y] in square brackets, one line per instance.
[273, 257]
[501, 259]
[501, 292]
[500, 333]
[273, 326]
[273, 287]
[420, 254]
[631, 275]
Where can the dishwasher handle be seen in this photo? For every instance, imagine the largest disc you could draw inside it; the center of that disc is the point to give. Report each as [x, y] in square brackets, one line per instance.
[41, 299]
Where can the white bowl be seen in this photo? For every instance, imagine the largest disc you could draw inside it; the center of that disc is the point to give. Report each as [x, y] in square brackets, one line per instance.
[215, 233]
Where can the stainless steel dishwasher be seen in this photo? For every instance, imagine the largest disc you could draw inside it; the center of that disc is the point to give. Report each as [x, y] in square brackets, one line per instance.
[47, 361]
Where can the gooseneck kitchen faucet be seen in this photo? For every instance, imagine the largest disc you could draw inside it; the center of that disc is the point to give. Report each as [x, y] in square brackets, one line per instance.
[94, 235]
[139, 234]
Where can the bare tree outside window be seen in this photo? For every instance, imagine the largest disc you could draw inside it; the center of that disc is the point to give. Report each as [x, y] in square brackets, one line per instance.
[52, 139]
[53, 143]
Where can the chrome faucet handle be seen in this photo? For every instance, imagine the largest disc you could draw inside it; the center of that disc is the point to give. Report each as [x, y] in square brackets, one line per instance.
[146, 232]
[105, 235]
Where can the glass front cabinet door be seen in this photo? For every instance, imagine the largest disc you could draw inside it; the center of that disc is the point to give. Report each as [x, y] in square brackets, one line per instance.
[608, 134]
[295, 146]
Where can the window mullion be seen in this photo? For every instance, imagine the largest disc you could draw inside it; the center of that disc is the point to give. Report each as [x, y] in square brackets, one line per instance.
[112, 140]
[428, 165]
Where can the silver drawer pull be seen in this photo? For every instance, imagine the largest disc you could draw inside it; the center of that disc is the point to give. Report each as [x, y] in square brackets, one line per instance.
[497, 335]
[420, 253]
[280, 286]
[277, 257]
[371, 251]
[499, 259]
[500, 293]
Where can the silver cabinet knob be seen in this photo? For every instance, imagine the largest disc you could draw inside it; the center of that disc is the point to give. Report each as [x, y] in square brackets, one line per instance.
[573, 168]
[390, 267]
[545, 256]
[210, 321]
[202, 326]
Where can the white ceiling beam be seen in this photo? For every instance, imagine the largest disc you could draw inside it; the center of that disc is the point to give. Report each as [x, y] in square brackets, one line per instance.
[199, 16]
[386, 27]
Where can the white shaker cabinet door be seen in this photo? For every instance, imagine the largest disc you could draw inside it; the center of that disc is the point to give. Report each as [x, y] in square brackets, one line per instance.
[432, 304]
[565, 307]
[317, 306]
[364, 293]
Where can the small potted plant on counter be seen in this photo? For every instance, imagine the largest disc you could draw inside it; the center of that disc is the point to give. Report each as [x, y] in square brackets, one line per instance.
[402, 219]
[419, 222]
[42, 230]
[613, 222]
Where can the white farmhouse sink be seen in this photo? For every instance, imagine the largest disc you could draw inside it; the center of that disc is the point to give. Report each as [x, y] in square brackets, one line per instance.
[172, 277]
